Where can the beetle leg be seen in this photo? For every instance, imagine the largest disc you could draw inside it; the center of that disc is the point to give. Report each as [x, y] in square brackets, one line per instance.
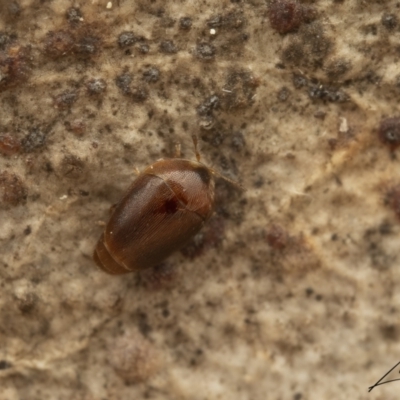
[196, 149]
[177, 150]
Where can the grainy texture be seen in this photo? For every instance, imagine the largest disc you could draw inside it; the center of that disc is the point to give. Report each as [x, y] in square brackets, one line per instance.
[291, 291]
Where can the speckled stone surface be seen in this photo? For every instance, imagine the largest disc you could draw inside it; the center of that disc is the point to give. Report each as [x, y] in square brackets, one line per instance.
[290, 292]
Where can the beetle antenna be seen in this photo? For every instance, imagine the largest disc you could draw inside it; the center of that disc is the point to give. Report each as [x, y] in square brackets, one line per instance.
[196, 149]
[237, 185]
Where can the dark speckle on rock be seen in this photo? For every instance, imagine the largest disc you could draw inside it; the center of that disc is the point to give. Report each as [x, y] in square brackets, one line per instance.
[389, 21]
[320, 92]
[283, 94]
[285, 15]
[74, 15]
[123, 81]
[389, 132]
[151, 74]
[185, 23]
[35, 139]
[168, 47]
[126, 39]
[96, 86]
[5, 365]
[205, 51]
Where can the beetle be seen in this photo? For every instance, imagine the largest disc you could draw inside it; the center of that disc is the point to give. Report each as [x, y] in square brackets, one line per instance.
[166, 205]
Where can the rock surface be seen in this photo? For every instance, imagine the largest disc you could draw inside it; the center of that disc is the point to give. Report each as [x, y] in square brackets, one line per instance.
[290, 291]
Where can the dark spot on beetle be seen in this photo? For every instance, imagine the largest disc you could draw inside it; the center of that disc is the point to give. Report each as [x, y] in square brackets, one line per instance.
[126, 39]
[211, 236]
[66, 99]
[151, 74]
[389, 132]
[185, 23]
[277, 237]
[168, 47]
[285, 15]
[159, 277]
[169, 206]
[283, 94]
[5, 364]
[205, 51]
[72, 166]
[14, 190]
[96, 86]
[318, 297]
[123, 81]
[58, 44]
[9, 145]
[27, 303]
[208, 105]
[27, 230]
[389, 21]
[74, 15]
[34, 140]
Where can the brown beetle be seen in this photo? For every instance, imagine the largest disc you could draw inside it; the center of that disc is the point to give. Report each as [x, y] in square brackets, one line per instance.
[166, 205]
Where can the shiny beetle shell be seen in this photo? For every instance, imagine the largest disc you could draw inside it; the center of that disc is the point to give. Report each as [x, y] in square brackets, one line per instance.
[166, 205]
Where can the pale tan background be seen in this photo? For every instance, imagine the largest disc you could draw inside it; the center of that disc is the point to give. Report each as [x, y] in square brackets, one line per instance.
[294, 292]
